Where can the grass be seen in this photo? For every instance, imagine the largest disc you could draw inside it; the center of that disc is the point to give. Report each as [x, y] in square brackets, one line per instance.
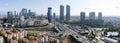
[33, 33]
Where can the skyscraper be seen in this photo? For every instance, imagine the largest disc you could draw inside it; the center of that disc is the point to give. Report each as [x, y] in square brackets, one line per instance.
[4, 20]
[29, 13]
[49, 14]
[24, 12]
[82, 16]
[92, 16]
[54, 15]
[99, 16]
[67, 13]
[10, 16]
[61, 13]
[15, 14]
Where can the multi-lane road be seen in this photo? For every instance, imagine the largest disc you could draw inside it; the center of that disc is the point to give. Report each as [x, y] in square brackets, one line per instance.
[70, 31]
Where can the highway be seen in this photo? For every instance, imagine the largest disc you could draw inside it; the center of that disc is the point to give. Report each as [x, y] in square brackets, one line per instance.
[68, 31]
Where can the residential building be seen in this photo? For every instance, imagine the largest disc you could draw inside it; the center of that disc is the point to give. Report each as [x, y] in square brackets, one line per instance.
[22, 18]
[40, 22]
[14, 41]
[20, 33]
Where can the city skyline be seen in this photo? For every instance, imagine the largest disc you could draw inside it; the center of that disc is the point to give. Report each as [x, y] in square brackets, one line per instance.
[59, 21]
[77, 6]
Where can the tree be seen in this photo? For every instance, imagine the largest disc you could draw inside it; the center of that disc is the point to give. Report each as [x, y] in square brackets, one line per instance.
[14, 30]
[1, 33]
[14, 38]
[20, 41]
[71, 39]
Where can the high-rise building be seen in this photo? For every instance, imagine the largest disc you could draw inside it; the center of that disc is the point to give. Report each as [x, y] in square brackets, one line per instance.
[24, 12]
[99, 16]
[49, 14]
[15, 14]
[67, 13]
[31, 14]
[10, 16]
[61, 13]
[4, 20]
[29, 11]
[92, 16]
[54, 15]
[82, 16]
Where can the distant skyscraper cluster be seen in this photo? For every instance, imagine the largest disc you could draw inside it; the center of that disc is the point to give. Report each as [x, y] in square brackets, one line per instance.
[62, 16]
[23, 17]
[14, 17]
[66, 17]
[27, 13]
[91, 17]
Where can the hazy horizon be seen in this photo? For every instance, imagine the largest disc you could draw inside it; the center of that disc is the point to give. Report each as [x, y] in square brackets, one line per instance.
[107, 7]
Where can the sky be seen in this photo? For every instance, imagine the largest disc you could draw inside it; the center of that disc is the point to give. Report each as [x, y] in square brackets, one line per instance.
[107, 7]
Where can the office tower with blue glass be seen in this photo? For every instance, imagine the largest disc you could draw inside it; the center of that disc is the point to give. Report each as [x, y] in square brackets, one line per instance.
[49, 14]
[10, 17]
[24, 12]
[67, 12]
[61, 13]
